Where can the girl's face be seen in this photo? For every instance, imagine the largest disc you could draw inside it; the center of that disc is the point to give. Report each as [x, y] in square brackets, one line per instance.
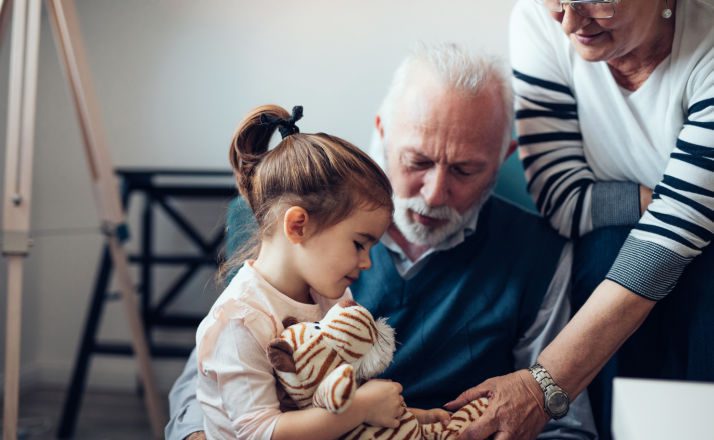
[332, 259]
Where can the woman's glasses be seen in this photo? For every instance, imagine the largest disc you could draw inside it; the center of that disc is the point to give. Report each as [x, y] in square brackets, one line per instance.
[584, 8]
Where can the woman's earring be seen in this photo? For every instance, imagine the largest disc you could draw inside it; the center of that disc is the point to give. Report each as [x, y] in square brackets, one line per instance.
[666, 13]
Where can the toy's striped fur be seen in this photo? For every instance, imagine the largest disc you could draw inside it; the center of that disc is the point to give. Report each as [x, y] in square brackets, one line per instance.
[320, 364]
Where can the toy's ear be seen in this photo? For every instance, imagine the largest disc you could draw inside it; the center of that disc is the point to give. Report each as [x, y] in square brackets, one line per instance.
[280, 354]
[289, 320]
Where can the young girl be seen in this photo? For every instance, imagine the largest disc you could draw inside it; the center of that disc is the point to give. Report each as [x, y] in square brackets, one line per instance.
[320, 203]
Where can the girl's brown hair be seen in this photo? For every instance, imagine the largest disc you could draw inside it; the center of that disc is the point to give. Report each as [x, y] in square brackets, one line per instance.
[325, 175]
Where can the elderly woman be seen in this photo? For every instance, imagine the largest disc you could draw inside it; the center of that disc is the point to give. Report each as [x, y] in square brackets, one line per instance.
[615, 115]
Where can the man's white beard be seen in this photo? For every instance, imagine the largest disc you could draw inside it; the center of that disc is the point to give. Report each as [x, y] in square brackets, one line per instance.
[419, 234]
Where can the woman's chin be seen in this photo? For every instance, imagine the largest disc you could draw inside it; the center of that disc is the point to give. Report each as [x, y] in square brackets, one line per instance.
[591, 54]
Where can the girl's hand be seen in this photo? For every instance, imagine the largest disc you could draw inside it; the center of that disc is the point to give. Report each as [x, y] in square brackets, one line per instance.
[426, 416]
[382, 402]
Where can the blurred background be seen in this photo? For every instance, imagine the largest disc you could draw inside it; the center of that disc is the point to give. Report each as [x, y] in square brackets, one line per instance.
[173, 78]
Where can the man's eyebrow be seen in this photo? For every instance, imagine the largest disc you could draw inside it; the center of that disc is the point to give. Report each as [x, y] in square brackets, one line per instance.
[476, 162]
[369, 237]
[413, 151]
[473, 162]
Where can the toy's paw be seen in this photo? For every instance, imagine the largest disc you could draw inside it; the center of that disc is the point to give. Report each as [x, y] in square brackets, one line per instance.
[409, 429]
[466, 415]
[432, 431]
[336, 390]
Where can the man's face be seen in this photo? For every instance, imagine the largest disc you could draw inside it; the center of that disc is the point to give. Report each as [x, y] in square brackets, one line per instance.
[443, 151]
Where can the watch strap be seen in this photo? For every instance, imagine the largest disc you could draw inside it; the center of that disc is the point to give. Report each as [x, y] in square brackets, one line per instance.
[541, 375]
[549, 387]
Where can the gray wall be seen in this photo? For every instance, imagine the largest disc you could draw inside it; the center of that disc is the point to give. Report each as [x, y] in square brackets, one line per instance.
[173, 78]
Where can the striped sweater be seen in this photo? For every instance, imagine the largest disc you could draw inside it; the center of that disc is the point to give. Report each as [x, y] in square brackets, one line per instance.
[586, 144]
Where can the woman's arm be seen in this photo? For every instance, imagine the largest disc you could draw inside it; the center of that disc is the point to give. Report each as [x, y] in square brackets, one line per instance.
[574, 357]
[559, 178]
[603, 324]
[679, 223]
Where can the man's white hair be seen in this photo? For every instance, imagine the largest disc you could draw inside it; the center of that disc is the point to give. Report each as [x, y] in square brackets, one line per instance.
[458, 70]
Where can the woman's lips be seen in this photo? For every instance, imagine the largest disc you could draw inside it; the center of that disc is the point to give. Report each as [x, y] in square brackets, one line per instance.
[588, 39]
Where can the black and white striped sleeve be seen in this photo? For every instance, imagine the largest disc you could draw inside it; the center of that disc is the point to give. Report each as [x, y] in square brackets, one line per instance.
[679, 222]
[559, 179]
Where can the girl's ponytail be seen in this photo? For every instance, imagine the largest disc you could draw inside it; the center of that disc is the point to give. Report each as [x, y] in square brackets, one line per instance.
[250, 144]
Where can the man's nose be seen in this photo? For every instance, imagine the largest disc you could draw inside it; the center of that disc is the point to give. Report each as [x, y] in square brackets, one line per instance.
[435, 189]
[571, 21]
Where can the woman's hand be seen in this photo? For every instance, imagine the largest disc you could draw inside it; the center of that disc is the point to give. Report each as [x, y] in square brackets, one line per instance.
[427, 416]
[382, 401]
[645, 199]
[515, 408]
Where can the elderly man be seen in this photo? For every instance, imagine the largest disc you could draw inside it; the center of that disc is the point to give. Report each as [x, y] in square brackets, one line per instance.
[474, 286]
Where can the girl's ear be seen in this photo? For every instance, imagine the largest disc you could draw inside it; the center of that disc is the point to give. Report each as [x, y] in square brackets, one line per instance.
[295, 224]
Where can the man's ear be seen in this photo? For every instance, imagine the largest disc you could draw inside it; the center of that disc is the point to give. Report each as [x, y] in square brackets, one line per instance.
[378, 125]
[295, 224]
[511, 148]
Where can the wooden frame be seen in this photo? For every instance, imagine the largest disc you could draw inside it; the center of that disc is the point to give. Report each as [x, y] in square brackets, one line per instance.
[18, 180]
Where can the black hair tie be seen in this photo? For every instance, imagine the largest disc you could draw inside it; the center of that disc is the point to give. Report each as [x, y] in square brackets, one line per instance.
[285, 126]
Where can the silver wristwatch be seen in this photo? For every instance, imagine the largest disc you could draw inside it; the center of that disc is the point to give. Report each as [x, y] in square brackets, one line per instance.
[555, 401]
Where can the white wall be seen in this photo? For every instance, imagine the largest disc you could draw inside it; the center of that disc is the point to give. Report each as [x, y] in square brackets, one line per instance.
[173, 78]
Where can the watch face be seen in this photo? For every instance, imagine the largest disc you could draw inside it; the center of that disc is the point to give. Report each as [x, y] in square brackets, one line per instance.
[557, 404]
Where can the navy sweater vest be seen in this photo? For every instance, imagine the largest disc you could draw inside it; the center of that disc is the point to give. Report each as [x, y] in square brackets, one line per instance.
[458, 320]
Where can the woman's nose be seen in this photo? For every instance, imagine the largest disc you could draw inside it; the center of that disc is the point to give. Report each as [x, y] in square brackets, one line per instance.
[571, 21]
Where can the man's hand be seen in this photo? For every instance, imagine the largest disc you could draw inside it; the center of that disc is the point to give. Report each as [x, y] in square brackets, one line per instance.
[515, 408]
[198, 435]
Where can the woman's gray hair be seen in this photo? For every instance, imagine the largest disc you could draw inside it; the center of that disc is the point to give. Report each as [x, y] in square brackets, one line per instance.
[457, 69]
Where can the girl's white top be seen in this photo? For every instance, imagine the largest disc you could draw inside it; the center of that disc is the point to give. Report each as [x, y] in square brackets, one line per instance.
[236, 386]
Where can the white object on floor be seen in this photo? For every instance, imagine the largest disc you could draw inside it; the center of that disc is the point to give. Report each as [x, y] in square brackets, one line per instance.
[658, 409]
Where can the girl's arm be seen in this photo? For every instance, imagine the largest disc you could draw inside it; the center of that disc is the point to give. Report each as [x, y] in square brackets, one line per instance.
[426, 416]
[377, 403]
[236, 387]
[238, 393]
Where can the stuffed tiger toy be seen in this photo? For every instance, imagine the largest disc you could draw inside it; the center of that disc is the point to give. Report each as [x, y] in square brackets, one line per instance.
[321, 363]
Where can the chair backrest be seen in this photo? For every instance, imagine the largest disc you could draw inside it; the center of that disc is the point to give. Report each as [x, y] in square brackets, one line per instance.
[511, 184]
